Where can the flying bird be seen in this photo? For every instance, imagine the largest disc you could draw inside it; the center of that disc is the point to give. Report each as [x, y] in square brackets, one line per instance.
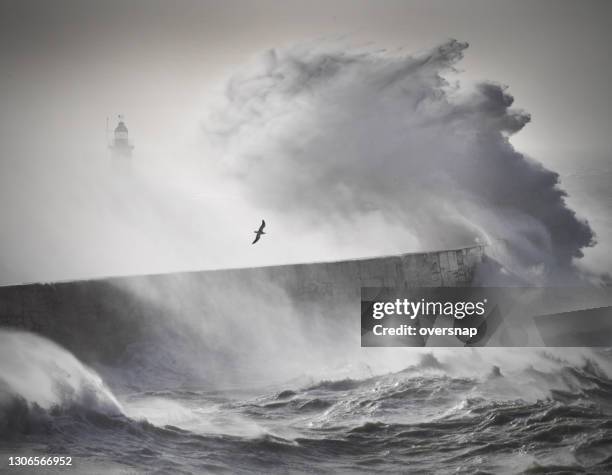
[259, 232]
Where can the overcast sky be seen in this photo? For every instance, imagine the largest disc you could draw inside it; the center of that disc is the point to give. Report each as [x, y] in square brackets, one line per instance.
[72, 62]
[67, 65]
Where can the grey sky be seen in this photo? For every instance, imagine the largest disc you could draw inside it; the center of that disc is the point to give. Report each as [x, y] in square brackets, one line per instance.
[66, 65]
[77, 59]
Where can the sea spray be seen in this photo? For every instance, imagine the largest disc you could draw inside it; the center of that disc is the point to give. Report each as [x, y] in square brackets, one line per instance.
[44, 374]
[338, 138]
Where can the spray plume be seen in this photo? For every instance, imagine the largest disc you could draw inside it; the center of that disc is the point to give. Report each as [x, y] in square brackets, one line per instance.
[342, 138]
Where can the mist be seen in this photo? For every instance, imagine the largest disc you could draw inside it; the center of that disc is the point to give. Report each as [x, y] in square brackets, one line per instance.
[345, 151]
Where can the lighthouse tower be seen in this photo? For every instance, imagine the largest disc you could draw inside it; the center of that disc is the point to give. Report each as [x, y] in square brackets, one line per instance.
[120, 146]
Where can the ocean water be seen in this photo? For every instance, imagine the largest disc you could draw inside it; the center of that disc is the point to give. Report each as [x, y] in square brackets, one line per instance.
[280, 410]
[553, 415]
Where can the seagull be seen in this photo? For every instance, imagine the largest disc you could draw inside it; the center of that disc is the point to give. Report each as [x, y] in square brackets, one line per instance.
[260, 231]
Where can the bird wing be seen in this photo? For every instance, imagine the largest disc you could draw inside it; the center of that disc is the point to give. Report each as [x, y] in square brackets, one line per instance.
[256, 238]
[263, 225]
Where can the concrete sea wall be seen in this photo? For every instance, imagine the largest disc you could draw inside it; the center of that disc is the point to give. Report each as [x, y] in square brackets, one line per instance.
[99, 319]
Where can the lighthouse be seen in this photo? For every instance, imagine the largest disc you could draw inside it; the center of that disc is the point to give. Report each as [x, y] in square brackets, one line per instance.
[120, 146]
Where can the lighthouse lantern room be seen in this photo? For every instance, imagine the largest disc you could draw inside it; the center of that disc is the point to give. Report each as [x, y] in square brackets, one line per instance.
[120, 146]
